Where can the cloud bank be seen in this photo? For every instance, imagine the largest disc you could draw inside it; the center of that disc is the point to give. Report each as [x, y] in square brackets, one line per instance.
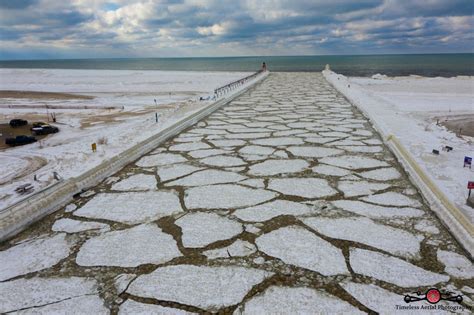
[171, 28]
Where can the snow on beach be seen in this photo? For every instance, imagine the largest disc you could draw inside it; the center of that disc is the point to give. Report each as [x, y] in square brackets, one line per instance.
[409, 107]
[85, 120]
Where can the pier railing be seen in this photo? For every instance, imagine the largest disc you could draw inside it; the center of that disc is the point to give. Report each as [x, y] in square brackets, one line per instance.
[235, 84]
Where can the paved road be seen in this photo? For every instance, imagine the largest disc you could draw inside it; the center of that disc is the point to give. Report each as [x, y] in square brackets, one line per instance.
[285, 200]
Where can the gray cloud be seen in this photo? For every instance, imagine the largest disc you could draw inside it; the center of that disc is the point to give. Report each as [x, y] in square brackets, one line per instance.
[118, 28]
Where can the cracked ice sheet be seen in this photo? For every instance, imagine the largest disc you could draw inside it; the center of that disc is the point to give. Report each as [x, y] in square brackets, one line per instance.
[143, 244]
[299, 247]
[227, 143]
[272, 209]
[299, 300]
[275, 167]
[222, 160]
[132, 307]
[208, 177]
[160, 159]
[330, 170]
[237, 249]
[376, 298]
[136, 183]
[353, 162]
[302, 187]
[392, 270]
[209, 288]
[34, 255]
[90, 304]
[277, 141]
[226, 196]
[365, 231]
[190, 146]
[206, 153]
[27, 293]
[456, 265]
[256, 150]
[202, 229]
[382, 174]
[374, 211]
[313, 152]
[360, 188]
[75, 226]
[392, 199]
[132, 207]
[175, 171]
[360, 149]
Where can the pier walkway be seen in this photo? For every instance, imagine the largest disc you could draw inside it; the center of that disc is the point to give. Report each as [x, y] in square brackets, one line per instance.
[285, 200]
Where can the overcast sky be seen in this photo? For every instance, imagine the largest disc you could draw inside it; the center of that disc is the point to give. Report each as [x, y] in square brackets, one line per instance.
[31, 29]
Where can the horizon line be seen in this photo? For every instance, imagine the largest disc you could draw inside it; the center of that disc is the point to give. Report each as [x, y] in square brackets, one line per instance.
[243, 56]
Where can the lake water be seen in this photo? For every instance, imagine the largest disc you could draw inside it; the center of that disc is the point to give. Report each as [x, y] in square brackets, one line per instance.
[431, 65]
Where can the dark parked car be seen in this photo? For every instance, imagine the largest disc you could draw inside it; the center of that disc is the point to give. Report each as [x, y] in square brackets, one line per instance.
[20, 140]
[45, 130]
[38, 124]
[18, 122]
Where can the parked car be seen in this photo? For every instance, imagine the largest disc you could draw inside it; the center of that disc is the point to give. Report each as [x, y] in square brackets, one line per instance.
[18, 122]
[44, 130]
[38, 124]
[20, 140]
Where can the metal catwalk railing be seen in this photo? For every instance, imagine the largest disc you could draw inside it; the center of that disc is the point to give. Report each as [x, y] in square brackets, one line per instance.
[233, 85]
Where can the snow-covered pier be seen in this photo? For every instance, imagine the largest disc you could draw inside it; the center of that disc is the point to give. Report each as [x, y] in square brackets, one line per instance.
[285, 200]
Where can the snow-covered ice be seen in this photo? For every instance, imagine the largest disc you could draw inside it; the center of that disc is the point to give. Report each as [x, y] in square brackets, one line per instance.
[427, 227]
[223, 161]
[136, 183]
[75, 226]
[299, 247]
[143, 244]
[298, 300]
[456, 265]
[175, 171]
[206, 153]
[202, 229]
[209, 288]
[208, 177]
[302, 187]
[272, 209]
[131, 207]
[189, 146]
[160, 159]
[133, 307]
[392, 270]
[28, 293]
[353, 162]
[360, 188]
[256, 150]
[366, 231]
[87, 304]
[238, 248]
[375, 211]
[392, 199]
[275, 167]
[313, 152]
[278, 141]
[226, 196]
[122, 281]
[70, 208]
[33, 255]
[330, 170]
[381, 174]
[376, 298]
